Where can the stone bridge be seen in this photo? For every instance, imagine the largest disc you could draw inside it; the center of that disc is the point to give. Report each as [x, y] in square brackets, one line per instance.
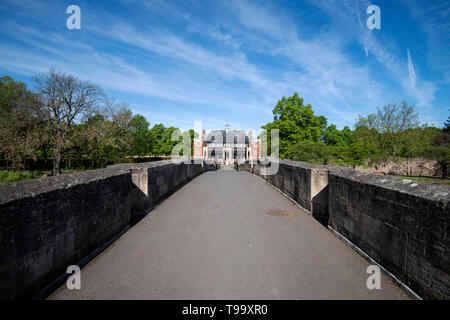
[152, 231]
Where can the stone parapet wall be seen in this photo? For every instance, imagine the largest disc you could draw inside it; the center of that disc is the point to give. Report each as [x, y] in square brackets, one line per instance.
[152, 181]
[50, 223]
[401, 224]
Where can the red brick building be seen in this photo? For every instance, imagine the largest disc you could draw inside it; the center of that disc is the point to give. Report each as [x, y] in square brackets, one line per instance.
[226, 146]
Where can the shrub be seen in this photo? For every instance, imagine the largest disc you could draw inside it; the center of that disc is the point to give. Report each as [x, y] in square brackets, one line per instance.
[14, 176]
[309, 151]
[3, 174]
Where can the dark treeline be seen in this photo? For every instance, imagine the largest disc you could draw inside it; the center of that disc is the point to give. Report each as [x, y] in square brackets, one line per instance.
[66, 122]
[393, 132]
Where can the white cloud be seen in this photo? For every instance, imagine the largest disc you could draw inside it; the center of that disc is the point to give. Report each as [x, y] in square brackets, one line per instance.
[412, 73]
[434, 18]
[343, 12]
[169, 64]
[328, 79]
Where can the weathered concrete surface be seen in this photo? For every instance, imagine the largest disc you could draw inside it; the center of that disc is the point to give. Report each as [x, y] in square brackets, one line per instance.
[48, 224]
[212, 239]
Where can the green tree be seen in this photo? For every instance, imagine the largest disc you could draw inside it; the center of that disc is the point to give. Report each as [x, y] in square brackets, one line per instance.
[142, 143]
[296, 122]
[78, 116]
[310, 151]
[193, 135]
[167, 142]
[20, 123]
[354, 154]
[442, 155]
[447, 125]
[104, 136]
[161, 138]
[439, 149]
[414, 141]
[334, 137]
[387, 127]
[156, 136]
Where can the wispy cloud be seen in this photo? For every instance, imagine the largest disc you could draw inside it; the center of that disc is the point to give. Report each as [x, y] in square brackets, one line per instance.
[421, 92]
[412, 73]
[227, 60]
[434, 19]
[327, 78]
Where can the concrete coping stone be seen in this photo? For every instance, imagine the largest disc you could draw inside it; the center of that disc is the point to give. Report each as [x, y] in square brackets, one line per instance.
[305, 165]
[416, 188]
[30, 188]
[150, 164]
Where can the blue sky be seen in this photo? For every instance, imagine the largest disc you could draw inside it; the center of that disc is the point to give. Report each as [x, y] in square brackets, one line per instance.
[232, 60]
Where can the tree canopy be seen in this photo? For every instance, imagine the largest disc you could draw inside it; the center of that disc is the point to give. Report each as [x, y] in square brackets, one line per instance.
[295, 122]
[393, 131]
[65, 118]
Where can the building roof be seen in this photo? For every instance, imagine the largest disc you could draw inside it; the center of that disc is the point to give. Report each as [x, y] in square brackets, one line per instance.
[226, 136]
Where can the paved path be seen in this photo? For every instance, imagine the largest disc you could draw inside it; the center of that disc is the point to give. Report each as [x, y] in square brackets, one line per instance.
[212, 239]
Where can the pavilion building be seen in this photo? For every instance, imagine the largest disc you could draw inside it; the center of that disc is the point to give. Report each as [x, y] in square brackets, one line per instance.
[227, 146]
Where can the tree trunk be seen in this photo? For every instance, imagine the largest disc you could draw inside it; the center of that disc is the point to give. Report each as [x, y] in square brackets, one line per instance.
[57, 162]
